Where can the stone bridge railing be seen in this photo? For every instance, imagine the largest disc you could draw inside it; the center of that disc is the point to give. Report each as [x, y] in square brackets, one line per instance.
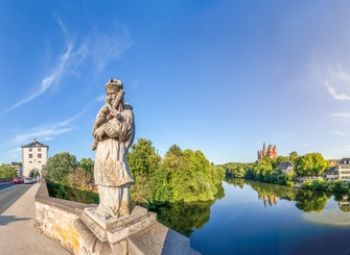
[62, 221]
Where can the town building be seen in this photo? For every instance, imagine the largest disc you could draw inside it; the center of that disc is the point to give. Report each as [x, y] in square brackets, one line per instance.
[344, 169]
[285, 167]
[269, 152]
[332, 173]
[339, 171]
[34, 157]
[333, 162]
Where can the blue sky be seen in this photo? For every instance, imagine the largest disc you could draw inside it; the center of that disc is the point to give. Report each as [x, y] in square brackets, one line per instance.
[219, 76]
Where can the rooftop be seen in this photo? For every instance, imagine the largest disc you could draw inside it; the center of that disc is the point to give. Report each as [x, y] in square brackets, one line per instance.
[35, 143]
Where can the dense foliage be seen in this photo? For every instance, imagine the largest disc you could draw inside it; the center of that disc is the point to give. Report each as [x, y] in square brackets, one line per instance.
[268, 170]
[311, 164]
[7, 172]
[165, 185]
[182, 176]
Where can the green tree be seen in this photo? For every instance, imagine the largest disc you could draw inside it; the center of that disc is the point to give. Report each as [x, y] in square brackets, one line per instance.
[144, 162]
[87, 164]
[293, 157]
[60, 166]
[311, 164]
[7, 172]
[308, 200]
[194, 180]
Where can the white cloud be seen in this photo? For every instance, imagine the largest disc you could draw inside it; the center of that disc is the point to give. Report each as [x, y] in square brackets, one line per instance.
[343, 115]
[49, 80]
[98, 47]
[336, 132]
[337, 82]
[104, 48]
[44, 133]
[100, 98]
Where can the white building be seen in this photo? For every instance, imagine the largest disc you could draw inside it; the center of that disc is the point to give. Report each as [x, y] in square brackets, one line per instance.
[344, 169]
[34, 157]
[341, 171]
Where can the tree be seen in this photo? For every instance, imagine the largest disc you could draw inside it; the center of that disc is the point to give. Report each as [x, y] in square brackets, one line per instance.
[311, 164]
[144, 162]
[194, 180]
[293, 156]
[143, 158]
[7, 172]
[87, 164]
[60, 166]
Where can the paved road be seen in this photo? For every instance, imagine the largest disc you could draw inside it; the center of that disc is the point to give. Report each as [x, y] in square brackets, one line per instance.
[9, 193]
[18, 236]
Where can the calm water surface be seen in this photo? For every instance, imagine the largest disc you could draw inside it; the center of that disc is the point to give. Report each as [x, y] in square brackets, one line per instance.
[255, 218]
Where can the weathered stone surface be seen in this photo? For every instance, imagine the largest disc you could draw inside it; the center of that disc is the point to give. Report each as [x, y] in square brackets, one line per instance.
[114, 231]
[159, 240]
[58, 224]
[114, 132]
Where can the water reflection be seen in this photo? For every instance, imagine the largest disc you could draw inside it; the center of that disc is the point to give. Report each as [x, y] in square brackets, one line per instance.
[269, 194]
[187, 217]
[184, 217]
[309, 201]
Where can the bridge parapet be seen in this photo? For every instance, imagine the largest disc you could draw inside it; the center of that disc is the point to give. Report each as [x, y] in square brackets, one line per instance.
[64, 221]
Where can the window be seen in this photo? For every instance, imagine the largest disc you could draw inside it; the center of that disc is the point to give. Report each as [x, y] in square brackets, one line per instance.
[39, 161]
[30, 161]
[30, 155]
[39, 155]
[39, 149]
[30, 149]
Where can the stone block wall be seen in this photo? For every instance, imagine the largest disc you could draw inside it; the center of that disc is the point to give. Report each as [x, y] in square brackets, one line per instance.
[55, 218]
[60, 220]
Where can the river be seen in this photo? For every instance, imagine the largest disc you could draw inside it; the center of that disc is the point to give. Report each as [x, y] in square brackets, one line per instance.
[257, 218]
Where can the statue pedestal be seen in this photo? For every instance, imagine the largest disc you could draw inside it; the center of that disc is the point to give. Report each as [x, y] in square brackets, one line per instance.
[115, 230]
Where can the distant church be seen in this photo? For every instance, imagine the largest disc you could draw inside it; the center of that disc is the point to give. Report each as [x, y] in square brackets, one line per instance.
[270, 152]
[34, 157]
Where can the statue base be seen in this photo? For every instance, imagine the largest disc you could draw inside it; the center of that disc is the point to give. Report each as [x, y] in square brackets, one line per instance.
[114, 230]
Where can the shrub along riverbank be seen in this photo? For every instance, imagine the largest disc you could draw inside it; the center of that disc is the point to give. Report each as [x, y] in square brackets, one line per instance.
[310, 166]
[271, 170]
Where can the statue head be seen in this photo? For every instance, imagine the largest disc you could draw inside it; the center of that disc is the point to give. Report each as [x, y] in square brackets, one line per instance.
[113, 87]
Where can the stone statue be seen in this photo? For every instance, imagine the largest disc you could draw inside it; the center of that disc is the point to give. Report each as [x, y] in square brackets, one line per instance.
[113, 131]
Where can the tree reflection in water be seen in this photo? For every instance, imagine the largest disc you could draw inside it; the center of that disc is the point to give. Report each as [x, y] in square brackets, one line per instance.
[185, 217]
[306, 200]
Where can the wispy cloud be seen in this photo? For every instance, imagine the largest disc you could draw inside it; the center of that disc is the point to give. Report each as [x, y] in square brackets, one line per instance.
[97, 47]
[337, 82]
[47, 132]
[343, 115]
[336, 132]
[100, 98]
[103, 48]
[49, 80]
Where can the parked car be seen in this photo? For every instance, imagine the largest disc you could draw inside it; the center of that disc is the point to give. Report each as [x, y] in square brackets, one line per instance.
[29, 180]
[17, 180]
